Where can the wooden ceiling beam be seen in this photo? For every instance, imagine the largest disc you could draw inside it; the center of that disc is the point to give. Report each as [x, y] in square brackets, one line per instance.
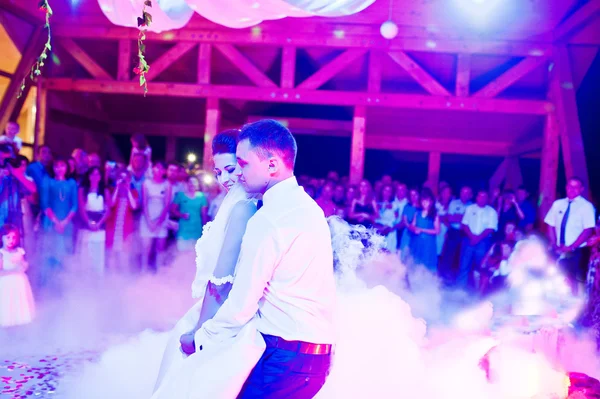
[245, 66]
[288, 67]
[331, 69]
[246, 37]
[204, 61]
[375, 71]
[444, 146]
[299, 96]
[421, 76]
[463, 75]
[511, 76]
[21, 10]
[526, 147]
[85, 60]
[578, 20]
[377, 142]
[167, 59]
[124, 63]
[308, 124]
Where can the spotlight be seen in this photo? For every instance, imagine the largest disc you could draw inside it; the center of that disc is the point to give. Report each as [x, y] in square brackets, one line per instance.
[191, 157]
[389, 30]
[208, 179]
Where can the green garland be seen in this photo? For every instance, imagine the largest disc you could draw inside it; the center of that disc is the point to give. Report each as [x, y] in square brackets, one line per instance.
[142, 68]
[36, 68]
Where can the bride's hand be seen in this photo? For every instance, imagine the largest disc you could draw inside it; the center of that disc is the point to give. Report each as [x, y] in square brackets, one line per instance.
[188, 346]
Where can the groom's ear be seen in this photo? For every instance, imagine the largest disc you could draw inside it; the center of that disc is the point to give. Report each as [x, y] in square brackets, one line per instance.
[274, 165]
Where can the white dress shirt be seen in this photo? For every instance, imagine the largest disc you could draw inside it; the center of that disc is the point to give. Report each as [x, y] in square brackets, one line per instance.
[582, 216]
[399, 206]
[479, 219]
[457, 207]
[284, 276]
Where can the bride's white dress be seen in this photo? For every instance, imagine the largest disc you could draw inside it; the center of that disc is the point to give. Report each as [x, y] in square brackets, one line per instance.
[381, 350]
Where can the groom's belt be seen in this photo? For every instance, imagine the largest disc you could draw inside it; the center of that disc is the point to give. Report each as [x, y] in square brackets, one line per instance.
[306, 348]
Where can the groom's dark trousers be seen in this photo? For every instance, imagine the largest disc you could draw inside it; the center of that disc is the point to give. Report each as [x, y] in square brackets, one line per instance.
[288, 369]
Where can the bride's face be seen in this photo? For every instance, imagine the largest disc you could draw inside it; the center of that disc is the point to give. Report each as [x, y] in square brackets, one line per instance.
[225, 165]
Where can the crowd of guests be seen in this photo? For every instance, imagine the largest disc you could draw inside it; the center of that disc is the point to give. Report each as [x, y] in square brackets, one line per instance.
[467, 238]
[89, 216]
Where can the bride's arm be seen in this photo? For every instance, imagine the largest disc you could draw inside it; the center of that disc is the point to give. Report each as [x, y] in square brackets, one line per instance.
[219, 285]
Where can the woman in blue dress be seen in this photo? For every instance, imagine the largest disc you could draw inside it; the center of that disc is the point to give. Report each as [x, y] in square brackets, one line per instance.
[58, 200]
[425, 228]
[408, 214]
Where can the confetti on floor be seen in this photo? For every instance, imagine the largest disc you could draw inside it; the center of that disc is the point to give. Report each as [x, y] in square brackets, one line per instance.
[39, 377]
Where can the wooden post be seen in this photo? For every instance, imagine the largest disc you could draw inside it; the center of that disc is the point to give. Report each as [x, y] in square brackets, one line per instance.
[288, 67]
[463, 75]
[125, 60]
[375, 71]
[514, 177]
[10, 96]
[171, 151]
[433, 170]
[499, 175]
[563, 95]
[213, 115]
[204, 57]
[41, 104]
[549, 165]
[357, 156]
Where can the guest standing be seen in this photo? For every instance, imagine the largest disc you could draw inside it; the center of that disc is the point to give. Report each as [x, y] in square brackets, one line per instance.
[16, 300]
[190, 206]
[408, 214]
[454, 235]
[363, 209]
[120, 226]
[425, 228]
[479, 224]
[325, 200]
[93, 210]
[388, 218]
[572, 221]
[508, 212]
[59, 203]
[156, 197]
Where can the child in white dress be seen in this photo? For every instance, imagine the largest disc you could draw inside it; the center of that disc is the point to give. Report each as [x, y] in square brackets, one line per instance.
[16, 300]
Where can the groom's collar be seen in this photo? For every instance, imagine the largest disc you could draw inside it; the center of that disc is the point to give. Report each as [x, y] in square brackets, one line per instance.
[280, 189]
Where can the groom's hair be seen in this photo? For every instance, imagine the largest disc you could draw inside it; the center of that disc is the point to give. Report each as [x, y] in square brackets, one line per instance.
[225, 142]
[268, 137]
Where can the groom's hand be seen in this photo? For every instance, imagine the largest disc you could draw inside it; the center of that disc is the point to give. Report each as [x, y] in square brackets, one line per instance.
[187, 343]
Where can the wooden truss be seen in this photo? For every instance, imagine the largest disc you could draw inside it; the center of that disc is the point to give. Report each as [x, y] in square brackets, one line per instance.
[358, 43]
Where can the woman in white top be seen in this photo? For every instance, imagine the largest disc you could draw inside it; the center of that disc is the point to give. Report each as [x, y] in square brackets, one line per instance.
[93, 210]
[156, 200]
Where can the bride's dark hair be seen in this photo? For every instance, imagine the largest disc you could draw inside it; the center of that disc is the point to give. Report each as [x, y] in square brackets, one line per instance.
[225, 142]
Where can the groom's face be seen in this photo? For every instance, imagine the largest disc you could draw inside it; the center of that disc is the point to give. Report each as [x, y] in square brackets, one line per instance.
[253, 172]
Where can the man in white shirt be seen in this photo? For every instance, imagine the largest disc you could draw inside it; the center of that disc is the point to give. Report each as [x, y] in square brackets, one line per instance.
[454, 236]
[572, 221]
[284, 276]
[479, 223]
[398, 205]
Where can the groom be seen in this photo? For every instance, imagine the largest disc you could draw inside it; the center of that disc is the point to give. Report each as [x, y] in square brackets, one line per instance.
[284, 275]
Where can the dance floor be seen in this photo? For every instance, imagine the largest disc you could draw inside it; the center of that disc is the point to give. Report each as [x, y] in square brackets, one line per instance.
[39, 376]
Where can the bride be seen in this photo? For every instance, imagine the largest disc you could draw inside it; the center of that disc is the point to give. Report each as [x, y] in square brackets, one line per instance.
[380, 349]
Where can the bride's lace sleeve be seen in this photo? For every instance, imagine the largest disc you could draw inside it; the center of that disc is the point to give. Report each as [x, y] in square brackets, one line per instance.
[221, 280]
[232, 242]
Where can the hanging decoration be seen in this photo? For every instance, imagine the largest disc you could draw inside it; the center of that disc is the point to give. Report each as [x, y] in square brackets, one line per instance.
[143, 24]
[36, 69]
[174, 14]
[389, 29]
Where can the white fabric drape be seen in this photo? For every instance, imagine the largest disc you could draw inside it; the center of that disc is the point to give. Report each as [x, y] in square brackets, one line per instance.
[174, 14]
